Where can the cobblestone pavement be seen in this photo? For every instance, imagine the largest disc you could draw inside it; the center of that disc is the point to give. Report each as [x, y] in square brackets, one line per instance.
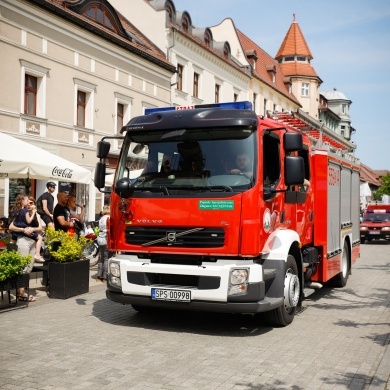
[339, 341]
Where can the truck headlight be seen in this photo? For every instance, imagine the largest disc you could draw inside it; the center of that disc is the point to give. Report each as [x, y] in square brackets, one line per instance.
[239, 276]
[115, 269]
[363, 228]
[386, 229]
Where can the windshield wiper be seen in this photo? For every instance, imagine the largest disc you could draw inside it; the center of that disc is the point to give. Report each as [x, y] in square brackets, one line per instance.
[162, 189]
[204, 188]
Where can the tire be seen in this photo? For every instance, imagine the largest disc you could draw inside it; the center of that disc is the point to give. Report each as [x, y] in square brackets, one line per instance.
[362, 240]
[340, 280]
[284, 315]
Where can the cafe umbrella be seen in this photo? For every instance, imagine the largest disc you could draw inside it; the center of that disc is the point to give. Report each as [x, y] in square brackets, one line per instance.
[19, 159]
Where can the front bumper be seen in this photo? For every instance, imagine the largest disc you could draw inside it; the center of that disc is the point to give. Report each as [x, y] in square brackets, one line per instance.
[377, 236]
[208, 284]
[224, 307]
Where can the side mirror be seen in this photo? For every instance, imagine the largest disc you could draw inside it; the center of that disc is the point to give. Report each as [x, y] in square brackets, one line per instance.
[292, 142]
[103, 148]
[100, 175]
[124, 188]
[294, 170]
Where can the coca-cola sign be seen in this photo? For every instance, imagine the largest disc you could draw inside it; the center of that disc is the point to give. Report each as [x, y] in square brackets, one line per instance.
[65, 172]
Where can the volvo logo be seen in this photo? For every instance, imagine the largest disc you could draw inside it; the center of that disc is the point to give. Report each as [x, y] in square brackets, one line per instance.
[171, 236]
[158, 221]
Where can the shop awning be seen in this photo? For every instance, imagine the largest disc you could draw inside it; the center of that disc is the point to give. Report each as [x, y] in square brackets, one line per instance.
[18, 159]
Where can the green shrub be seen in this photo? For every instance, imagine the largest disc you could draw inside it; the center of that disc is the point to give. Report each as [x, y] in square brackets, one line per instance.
[65, 247]
[12, 264]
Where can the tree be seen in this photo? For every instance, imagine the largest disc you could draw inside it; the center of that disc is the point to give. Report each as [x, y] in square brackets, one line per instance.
[384, 189]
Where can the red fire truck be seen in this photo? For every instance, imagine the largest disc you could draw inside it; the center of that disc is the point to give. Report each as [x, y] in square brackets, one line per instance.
[215, 208]
[376, 222]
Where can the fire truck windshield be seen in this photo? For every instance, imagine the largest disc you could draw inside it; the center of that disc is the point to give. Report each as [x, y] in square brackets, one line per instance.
[189, 161]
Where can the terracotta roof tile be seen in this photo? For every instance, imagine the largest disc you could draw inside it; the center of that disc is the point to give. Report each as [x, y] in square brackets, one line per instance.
[141, 45]
[294, 43]
[265, 60]
[296, 68]
[215, 52]
[369, 176]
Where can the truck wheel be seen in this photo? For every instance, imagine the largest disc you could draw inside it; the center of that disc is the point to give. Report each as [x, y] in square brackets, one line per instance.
[362, 240]
[284, 315]
[341, 279]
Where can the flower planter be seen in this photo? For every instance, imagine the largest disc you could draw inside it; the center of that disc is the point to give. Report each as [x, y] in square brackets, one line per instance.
[15, 282]
[68, 279]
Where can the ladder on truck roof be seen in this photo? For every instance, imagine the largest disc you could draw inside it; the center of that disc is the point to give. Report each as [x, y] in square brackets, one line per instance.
[315, 133]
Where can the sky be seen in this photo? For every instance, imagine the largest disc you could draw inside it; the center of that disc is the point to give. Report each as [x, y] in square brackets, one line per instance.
[350, 44]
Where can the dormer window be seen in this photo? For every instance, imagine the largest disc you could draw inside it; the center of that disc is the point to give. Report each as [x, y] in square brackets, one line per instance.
[251, 55]
[288, 59]
[303, 59]
[271, 69]
[99, 15]
[226, 51]
[185, 24]
[207, 39]
[169, 10]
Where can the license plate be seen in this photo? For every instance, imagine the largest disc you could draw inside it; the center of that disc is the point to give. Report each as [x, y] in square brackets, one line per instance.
[374, 232]
[164, 294]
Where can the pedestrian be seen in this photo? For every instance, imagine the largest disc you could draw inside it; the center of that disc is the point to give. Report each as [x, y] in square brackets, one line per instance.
[45, 204]
[104, 252]
[26, 226]
[75, 216]
[61, 213]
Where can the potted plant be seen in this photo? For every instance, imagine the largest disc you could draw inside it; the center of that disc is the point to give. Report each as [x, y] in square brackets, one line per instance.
[68, 269]
[12, 266]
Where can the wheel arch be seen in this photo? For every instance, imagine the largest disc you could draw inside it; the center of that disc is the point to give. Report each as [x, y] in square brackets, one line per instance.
[280, 244]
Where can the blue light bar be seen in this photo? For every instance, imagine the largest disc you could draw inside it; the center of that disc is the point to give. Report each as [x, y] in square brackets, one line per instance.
[245, 105]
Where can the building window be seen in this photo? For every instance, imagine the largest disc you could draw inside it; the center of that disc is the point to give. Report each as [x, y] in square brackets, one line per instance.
[305, 89]
[344, 108]
[84, 103]
[180, 70]
[226, 51]
[254, 101]
[207, 39]
[265, 107]
[185, 24]
[30, 94]
[100, 15]
[33, 89]
[235, 97]
[196, 85]
[169, 10]
[123, 109]
[81, 106]
[217, 92]
[120, 113]
[275, 108]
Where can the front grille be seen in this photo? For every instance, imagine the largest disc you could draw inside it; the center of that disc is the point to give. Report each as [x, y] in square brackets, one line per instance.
[180, 237]
[173, 280]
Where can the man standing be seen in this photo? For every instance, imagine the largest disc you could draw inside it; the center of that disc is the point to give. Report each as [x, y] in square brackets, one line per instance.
[61, 214]
[45, 204]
